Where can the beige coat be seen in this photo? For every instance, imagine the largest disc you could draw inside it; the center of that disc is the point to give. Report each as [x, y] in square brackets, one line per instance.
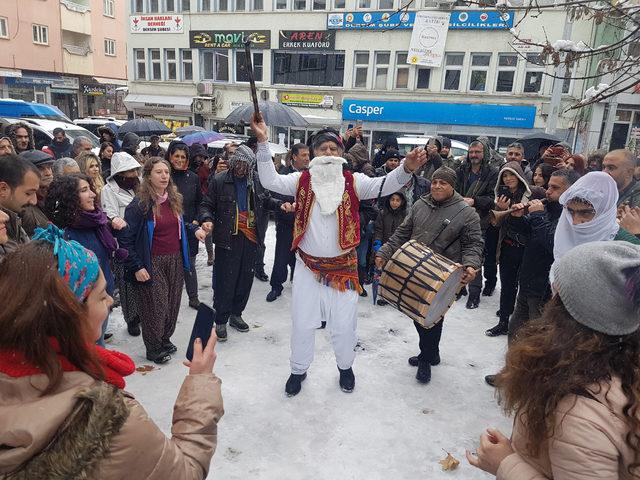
[132, 448]
[588, 443]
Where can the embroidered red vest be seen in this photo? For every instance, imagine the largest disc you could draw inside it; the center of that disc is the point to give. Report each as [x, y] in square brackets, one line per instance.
[347, 212]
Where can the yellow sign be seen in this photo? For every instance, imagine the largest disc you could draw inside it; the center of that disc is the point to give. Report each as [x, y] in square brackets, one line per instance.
[307, 100]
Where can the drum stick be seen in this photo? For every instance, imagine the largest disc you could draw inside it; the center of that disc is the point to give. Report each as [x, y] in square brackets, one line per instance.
[252, 80]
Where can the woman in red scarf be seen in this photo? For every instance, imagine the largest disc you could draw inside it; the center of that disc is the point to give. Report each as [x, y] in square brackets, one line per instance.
[62, 409]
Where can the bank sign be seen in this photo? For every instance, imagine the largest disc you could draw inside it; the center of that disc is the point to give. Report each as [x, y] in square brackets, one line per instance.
[459, 20]
[260, 39]
[479, 114]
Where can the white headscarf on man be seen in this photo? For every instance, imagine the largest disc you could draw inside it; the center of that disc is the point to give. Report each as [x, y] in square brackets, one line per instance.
[599, 189]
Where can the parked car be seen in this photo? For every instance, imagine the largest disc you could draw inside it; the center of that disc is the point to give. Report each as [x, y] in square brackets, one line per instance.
[43, 130]
[408, 143]
[20, 109]
[93, 123]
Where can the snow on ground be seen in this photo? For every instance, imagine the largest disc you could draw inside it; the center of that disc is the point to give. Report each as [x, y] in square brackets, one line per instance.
[390, 427]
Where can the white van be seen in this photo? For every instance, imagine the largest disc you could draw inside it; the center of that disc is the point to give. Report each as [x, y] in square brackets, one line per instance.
[93, 123]
[43, 130]
[408, 143]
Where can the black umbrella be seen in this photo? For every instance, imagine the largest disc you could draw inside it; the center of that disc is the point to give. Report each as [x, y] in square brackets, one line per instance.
[273, 113]
[534, 141]
[144, 127]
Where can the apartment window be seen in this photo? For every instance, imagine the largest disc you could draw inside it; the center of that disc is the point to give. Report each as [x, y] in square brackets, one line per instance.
[402, 70]
[479, 71]
[40, 34]
[170, 64]
[205, 5]
[141, 64]
[317, 69]
[109, 47]
[186, 61]
[338, 4]
[364, 4]
[215, 65]
[385, 4]
[423, 78]
[154, 6]
[360, 69]
[567, 83]
[281, 4]
[109, 8]
[381, 75]
[533, 74]
[507, 63]
[137, 6]
[258, 5]
[155, 67]
[4, 28]
[300, 4]
[170, 6]
[319, 4]
[241, 66]
[224, 5]
[453, 71]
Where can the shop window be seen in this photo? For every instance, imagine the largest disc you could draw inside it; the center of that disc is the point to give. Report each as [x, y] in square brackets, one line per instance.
[317, 69]
[242, 74]
[141, 64]
[533, 74]
[215, 65]
[402, 70]
[109, 8]
[381, 69]
[507, 63]
[479, 71]
[453, 71]
[170, 64]
[40, 34]
[360, 69]
[4, 28]
[109, 47]
[423, 78]
[155, 67]
[186, 60]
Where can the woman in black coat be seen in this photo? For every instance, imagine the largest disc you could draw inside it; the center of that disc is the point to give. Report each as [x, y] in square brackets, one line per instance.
[188, 185]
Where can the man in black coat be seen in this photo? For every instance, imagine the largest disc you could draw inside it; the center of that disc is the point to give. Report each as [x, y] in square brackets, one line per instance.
[233, 211]
[60, 145]
[539, 226]
[476, 182]
[285, 215]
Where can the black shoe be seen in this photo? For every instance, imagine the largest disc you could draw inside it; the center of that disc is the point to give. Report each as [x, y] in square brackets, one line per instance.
[435, 360]
[502, 328]
[473, 301]
[490, 379]
[294, 384]
[260, 275]
[194, 303]
[381, 302]
[364, 293]
[488, 289]
[169, 347]
[497, 313]
[238, 323]
[347, 380]
[323, 324]
[423, 375]
[413, 361]
[158, 356]
[134, 330]
[221, 332]
[272, 295]
[461, 293]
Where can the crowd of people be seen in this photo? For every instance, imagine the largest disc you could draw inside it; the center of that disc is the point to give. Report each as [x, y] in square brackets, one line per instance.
[561, 231]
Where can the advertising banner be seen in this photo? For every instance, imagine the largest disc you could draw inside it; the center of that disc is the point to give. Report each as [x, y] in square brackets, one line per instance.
[307, 40]
[428, 39]
[260, 39]
[306, 99]
[156, 24]
[459, 20]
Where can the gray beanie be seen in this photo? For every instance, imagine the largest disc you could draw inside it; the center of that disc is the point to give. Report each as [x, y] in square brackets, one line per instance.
[599, 285]
[447, 174]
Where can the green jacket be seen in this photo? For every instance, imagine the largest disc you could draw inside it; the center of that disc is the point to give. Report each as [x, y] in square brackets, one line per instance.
[630, 195]
[625, 236]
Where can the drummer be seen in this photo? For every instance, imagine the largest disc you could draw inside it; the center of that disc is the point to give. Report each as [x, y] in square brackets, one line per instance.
[442, 221]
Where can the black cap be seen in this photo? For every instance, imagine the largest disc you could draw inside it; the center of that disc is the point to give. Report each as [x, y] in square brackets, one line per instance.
[37, 157]
[391, 153]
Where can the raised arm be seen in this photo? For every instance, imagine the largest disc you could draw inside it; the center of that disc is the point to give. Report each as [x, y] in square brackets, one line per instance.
[269, 178]
[367, 187]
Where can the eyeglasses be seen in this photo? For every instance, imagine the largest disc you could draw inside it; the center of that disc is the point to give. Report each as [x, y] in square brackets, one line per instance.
[586, 212]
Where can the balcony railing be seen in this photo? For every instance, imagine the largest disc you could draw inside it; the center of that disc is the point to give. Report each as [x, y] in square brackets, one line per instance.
[80, 50]
[75, 6]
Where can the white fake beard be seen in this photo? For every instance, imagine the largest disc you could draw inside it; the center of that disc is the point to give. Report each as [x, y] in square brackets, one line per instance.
[327, 182]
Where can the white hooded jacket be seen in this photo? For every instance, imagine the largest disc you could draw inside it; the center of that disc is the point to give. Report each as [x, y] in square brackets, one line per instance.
[113, 198]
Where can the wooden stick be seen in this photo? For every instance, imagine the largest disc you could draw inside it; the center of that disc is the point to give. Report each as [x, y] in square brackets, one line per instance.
[252, 80]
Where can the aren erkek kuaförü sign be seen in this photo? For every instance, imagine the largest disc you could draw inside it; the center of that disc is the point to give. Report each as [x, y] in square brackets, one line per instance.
[428, 39]
[307, 40]
[260, 39]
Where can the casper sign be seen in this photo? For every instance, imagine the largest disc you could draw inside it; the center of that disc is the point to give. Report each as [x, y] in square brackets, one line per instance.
[260, 39]
[488, 115]
[307, 40]
[156, 24]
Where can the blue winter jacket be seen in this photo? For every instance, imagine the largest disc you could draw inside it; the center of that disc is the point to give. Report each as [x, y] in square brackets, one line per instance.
[138, 239]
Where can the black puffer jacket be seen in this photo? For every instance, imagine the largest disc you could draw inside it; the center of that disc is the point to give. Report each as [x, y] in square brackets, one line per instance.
[61, 149]
[389, 220]
[189, 186]
[219, 206]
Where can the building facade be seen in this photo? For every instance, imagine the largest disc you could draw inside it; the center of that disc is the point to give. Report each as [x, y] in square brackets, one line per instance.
[68, 53]
[342, 61]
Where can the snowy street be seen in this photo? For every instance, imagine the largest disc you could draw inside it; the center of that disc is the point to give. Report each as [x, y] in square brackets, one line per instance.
[390, 427]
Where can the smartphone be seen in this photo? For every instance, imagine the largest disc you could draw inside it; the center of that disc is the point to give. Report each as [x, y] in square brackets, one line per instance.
[205, 319]
[350, 126]
[503, 190]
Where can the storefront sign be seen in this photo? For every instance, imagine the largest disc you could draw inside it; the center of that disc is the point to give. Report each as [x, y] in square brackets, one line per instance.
[98, 90]
[487, 115]
[459, 20]
[156, 23]
[307, 100]
[307, 40]
[69, 83]
[524, 46]
[260, 39]
[10, 73]
[428, 39]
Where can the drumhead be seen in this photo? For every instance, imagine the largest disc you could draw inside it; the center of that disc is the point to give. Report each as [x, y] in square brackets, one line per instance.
[443, 299]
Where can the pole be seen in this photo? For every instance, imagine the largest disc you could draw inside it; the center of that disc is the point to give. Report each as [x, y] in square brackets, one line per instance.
[559, 71]
[252, 80]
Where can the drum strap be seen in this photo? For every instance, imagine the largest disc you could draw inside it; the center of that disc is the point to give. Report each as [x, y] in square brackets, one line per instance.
[445, 224]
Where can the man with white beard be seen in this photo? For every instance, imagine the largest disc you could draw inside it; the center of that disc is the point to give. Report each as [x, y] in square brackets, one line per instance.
[325, 286]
